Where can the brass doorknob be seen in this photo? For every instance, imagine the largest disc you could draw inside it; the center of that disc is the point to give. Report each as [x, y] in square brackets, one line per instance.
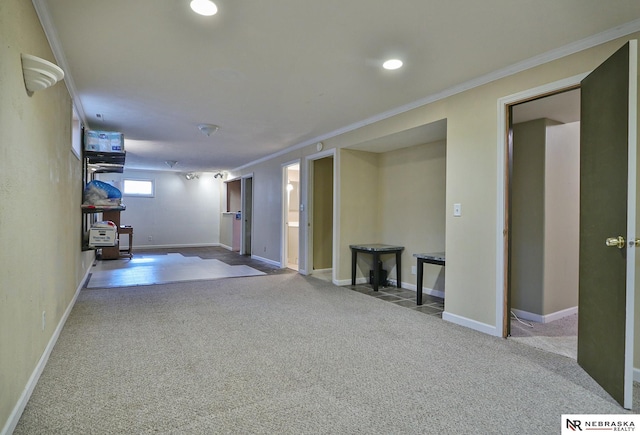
[616, 241]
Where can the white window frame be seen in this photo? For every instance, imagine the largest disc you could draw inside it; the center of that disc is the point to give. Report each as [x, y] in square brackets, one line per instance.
[142, 195]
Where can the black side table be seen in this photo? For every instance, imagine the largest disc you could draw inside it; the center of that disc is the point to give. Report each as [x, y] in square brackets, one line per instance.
[437, 258]
[376, 249]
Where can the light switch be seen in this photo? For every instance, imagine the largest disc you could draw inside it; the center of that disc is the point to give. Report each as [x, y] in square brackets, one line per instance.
[457, 210]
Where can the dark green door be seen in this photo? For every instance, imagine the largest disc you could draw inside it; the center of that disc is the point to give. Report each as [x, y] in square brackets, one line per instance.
[607, 211]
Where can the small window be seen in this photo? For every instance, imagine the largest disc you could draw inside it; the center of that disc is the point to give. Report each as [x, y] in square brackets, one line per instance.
[139, 188]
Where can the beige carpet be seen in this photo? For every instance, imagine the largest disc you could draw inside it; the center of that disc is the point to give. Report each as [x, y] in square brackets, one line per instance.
[285, 354]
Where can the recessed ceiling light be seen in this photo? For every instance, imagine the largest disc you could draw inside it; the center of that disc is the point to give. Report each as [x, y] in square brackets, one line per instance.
[204, 7]
[392, 64]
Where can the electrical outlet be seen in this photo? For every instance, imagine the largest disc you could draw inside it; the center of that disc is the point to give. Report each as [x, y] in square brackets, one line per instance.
[413, 270]
[150, 238]
[265, 249]
[44, 319]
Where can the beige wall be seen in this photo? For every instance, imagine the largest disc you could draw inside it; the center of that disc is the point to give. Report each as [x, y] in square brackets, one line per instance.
[472, 240]
[323, 213]
[562, 218]
[412, 185]
[545, 216]
[41, 261]
[359, 217]
[181, 213]
[528, 216]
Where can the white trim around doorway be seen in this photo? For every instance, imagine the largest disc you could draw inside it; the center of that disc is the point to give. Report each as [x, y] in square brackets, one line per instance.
[304, 216]
[501, 192]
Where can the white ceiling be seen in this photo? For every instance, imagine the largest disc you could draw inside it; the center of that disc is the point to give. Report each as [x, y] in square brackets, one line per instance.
[283, 73]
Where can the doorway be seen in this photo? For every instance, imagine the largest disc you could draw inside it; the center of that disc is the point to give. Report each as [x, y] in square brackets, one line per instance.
[291, 216]
[608, 187]
[247, 214]
[544, 215]
[320, 216]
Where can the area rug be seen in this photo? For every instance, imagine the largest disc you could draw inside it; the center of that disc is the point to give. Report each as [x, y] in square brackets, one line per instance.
[162, 269]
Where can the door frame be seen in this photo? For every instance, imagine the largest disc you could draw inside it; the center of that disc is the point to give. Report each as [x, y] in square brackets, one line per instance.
[503, 180]
[306, 266]
[246, 223]
[285, 208]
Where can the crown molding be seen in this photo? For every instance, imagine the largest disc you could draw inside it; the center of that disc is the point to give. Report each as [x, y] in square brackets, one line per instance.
[42, 10]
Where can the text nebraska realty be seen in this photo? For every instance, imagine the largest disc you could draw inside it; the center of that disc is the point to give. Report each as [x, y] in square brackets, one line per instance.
[616, 426]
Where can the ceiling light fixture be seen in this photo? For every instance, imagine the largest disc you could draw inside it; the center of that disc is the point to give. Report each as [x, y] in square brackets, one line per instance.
[392, 64]
[204, 7]
[208, 129]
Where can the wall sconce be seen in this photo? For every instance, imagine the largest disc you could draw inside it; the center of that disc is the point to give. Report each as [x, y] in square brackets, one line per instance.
[171, 163]
[191, 176]
[218, 175]
[39, 73]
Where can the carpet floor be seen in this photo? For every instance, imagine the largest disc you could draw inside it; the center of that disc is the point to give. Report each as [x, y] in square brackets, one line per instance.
[288, 354]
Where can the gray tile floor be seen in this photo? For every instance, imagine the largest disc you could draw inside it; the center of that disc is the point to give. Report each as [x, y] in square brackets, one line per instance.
[431, 305]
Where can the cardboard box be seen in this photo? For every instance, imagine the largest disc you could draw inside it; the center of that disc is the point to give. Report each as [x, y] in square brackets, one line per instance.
[104, 141]
[101, 237]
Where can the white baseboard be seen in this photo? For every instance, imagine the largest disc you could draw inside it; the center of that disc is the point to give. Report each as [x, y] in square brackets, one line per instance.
[187, 245]
[472, 324]
[228, 248]
[539, 318]
[343, 282]
[425, 290]
[16, 413]
[266, 260]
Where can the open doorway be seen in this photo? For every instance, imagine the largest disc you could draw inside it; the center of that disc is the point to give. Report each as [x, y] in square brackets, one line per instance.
[291, 216]
[543, 221]
[320, 216]
[247, 214]
[322, 212]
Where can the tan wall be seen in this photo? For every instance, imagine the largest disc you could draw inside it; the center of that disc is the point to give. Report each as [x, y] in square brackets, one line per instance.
[323, 213]
[412, 207]
[472, 240]
[528, 216]
[562, 218]
[359, 217]
[41, 261]
[545, 213]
